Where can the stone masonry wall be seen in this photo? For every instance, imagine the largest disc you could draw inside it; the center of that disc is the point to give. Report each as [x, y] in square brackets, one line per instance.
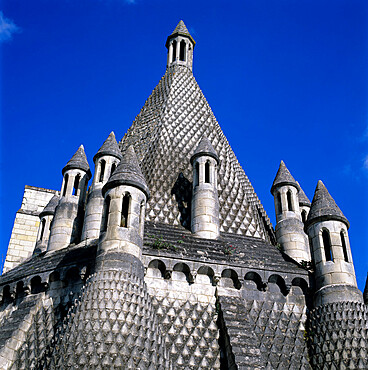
[25, 229]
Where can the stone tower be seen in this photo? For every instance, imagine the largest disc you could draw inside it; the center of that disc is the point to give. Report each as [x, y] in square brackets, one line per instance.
[304, 204]
[289, 227]
[106, 160]
[68, 219]
[205, 204]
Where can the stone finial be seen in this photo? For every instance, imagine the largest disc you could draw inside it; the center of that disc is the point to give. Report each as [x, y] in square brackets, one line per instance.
[78, 161]
[324, 207]
[109, 147]
[303, 199]
[283, 177]
[204, 148]
[128, 172]
[180, 29]
[50, 207]
[365, 293]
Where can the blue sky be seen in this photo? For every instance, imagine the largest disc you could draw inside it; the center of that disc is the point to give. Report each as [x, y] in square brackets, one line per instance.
[285, 79]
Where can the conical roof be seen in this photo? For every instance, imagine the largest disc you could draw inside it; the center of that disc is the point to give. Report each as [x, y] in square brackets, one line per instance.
[180, 29]
[50, 207]
[303, 199]
[173, 120]
[78, 161]
[109, 147]
[283, 177]
[127, 172]
[204, 148]
[324, 207]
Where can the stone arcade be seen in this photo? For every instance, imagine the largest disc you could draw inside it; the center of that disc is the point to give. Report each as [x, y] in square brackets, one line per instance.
[168, 259]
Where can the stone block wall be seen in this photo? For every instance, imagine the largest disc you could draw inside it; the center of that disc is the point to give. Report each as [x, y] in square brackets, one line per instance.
[25, 229]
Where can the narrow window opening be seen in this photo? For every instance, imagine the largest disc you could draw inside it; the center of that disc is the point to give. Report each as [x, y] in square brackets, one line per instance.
[289, 202]
[182, 50]
[279, 204]
[342, 235]
[141, 218]
[105, 219]
[76, 185]
[304, 216]
[327, 245]
[196, 175]
[125, 211]
[174, 51]
[207, 173]
[113, 167]
[66, 179]
[102, 170]
[43, 224]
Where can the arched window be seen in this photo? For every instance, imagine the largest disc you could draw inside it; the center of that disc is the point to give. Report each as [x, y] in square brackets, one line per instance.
[196, 175]
[113, 167]
[102, 170]
[279, 204]
[105, 218]
[43, 224]
[182, 50]
[76, 185]
[327, 245]
[304, 216]
[343, 244]
[207, 172]
[289, 202]
[125, 211]
[66, 179]
[141, 218]
[174, 51]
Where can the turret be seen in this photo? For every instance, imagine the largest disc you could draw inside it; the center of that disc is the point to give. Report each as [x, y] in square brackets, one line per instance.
[327, 229]
[126, 194]
[304, 204]
[46, 217]
[205, 202]
[67, 224]
[106, 160]
[289, 227]
[180, 45]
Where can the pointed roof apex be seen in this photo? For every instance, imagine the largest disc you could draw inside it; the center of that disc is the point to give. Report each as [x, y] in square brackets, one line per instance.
[283, 177]
[109, 147]
[324, 207]
[78, 161]
[50, 207]
[204, 148]
[128, 172]
[180, 29]
[303, 199]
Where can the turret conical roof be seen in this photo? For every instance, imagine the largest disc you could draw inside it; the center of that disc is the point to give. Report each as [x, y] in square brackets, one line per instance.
[180, 29]
[283, 177]
[109, 147]
[127, 172]
[204, 148]
[303, 199]
[50, 207]
[324, 207]
[78, 161]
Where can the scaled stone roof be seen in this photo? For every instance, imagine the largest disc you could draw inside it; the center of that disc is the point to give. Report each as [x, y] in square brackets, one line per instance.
[127, 172]
[303, 199]
[365, 293]
[78, 161]
[180, 29]
[50, 207]
[204, 148]
[283, 177]
[109, 147]
[324, 207]
[172, 121]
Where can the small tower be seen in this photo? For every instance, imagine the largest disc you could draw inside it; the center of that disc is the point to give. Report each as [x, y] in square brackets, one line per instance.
[180, 45]
[327, 229]
[205, 202]
[46, 217]
[67, 224]
[304, 204]
[289, 227]
[126, 194]
[106, 161]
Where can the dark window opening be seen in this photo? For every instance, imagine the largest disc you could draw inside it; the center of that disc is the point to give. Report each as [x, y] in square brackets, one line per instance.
[66, 179]
[76, 185]
[346, 259]
[207, 173]
[289, 202]
[304, 216]
[182, 51]
[113, 167]
[102, 170]
[196, 180]
[327, 245]
[105, 219]
[174, 51]
[125, 211]
[279, 204]
[43, 224]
